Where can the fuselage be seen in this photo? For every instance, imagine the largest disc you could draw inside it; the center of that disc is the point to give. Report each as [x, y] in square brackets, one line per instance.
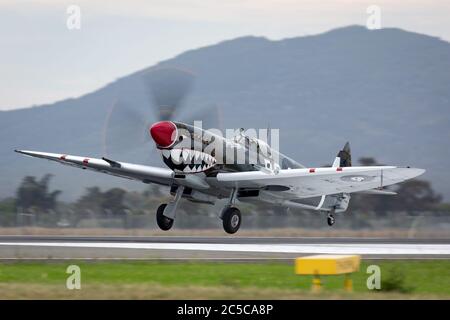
[188, 149]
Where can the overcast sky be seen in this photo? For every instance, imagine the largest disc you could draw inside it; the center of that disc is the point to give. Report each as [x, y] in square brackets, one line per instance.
[42, 61]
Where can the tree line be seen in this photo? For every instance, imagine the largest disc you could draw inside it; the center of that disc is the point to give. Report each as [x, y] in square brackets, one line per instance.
[35, 196]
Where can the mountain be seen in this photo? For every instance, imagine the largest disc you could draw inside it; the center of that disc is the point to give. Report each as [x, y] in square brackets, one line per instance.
[386, 91]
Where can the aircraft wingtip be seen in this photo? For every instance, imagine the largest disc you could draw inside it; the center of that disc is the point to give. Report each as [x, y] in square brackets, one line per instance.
[21, 151]
[415, 172]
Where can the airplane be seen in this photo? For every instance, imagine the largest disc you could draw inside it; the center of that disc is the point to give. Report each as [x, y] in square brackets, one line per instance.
[199, 173]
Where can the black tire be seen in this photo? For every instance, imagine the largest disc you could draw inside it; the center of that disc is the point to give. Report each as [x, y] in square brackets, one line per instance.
[164, 223]
[231, 219]
[330, 220]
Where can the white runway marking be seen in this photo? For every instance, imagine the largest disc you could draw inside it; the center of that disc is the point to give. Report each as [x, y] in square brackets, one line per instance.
[323, 248]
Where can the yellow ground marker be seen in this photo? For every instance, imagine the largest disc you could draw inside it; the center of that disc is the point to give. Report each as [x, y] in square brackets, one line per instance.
[325, 265]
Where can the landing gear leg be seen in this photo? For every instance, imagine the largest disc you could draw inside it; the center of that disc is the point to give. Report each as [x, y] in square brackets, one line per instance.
[330, 217]
[165, 215]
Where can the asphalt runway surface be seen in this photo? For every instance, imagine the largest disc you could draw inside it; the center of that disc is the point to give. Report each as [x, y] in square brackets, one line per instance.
[215, 248]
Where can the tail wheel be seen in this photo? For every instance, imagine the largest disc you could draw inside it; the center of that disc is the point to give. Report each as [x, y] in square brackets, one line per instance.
[330, 220]
[231, 219]
[164, 223]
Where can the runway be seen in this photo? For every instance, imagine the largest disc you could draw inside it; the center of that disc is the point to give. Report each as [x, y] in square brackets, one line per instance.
[216, 248]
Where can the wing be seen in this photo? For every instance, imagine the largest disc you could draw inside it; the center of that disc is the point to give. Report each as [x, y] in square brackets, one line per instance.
[142, 173]
[305, 183]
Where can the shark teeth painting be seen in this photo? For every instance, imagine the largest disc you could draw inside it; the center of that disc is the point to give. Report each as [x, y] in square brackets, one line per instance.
[187, 160]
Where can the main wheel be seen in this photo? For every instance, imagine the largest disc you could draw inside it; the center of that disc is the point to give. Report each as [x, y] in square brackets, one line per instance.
[231, 219]
[330, 220]
[164, 223]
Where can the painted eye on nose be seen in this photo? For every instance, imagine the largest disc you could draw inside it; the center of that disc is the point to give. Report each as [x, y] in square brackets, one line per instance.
[164, 133]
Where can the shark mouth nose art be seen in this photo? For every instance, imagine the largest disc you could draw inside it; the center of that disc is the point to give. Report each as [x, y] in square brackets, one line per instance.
[187, 160]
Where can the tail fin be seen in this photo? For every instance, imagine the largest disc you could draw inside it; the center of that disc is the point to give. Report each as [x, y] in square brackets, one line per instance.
[344, 157]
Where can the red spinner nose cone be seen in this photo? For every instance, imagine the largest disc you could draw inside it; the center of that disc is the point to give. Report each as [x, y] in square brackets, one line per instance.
[164, 133]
